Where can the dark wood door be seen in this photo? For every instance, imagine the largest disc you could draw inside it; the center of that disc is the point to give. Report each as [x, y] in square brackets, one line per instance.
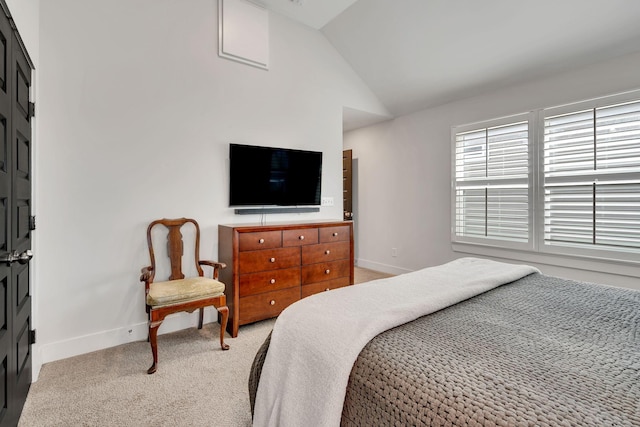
[15, 223]
[347, 184]
[6, 343]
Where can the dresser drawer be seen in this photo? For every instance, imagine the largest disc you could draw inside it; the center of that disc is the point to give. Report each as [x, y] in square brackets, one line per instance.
[260, 240]
[266, 281]
[325, 271]
[324, 286]
[301, 237]
[325, 252]
[266, 305]
[271, 259]
[335, 234]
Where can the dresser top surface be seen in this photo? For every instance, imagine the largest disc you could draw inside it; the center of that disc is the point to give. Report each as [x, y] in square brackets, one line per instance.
[286, 224]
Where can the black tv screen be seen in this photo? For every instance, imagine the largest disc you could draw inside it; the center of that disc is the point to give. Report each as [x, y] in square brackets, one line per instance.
[268, 176]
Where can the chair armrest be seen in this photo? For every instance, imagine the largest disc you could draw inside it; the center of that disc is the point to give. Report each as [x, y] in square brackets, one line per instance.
[146, 275]
[216, 266]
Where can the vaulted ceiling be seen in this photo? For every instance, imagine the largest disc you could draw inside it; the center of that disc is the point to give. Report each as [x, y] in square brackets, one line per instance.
[416, 54]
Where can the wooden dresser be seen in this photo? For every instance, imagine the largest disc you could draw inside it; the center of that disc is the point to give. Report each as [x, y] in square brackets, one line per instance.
[272, 266]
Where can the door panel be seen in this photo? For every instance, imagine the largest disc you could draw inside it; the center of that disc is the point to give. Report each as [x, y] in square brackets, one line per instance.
[22, 285]
[15, 214]
[7, 374]
[20, 231]
[23, 83]
[22, 154]
[4, 398]
[3, 57]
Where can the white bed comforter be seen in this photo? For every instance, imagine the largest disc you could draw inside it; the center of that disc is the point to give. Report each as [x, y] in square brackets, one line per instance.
[316, 341]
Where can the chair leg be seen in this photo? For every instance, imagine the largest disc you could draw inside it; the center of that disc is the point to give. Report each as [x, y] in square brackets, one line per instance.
[153, 339]
[200, 317]
[149, 321]
[224, 311]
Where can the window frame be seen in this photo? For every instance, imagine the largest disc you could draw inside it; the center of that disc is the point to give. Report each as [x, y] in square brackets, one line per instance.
[596, 252]
[536, 247]
[488, 241]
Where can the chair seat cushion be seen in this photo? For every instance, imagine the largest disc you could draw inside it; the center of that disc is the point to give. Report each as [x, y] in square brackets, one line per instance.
[183, 290]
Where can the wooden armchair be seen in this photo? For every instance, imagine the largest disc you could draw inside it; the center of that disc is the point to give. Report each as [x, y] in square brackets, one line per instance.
[179, 293]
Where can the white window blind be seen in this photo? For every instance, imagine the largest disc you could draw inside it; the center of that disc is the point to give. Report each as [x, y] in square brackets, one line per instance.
[592, 177]
[492, 183]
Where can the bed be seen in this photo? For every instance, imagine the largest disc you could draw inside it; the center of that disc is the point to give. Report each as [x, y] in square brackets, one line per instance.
[536, 351]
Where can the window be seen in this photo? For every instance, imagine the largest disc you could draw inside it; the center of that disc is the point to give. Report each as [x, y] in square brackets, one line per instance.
[563, 180]
[492, 171]
[592, 177]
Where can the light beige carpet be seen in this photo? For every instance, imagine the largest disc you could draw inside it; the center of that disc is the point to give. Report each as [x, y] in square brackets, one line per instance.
[196, 384]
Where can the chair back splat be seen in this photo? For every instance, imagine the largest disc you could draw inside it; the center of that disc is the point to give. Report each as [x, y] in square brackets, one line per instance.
[175, 245]
[179, 294]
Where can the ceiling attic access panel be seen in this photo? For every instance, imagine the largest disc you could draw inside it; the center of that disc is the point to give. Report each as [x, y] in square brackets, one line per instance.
[243, 32]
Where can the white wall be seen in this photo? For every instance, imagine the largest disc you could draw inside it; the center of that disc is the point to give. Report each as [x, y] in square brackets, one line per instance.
[136, 113]
[404, 174]
[26, 14]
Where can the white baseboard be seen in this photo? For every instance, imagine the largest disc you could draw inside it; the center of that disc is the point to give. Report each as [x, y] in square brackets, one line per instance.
[384, 268]
[50, 352]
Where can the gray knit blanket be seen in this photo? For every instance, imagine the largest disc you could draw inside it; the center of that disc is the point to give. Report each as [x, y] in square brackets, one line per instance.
[540, 351]
[315, 342]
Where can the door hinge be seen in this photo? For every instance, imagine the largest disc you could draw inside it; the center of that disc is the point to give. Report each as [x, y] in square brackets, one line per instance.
[32, 109]
[32, 222]
[32, 336]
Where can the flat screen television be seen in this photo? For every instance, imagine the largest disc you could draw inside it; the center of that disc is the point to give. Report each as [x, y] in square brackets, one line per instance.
[268, 176]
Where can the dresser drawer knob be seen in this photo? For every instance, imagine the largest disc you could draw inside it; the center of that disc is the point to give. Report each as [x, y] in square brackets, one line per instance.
[327, 271]
[301, 237]
[327, 252]
[327, 289]
[272, 260]
[272, 302]
[272, 281]
[261, 241]
[335, 234]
